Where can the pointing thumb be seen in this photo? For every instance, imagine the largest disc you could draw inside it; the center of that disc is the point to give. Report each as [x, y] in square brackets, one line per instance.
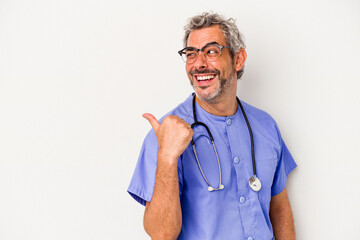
[152, 120]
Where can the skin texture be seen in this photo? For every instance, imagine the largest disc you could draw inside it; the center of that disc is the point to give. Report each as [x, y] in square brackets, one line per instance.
[281, 217]
[223, 103]
[163, 218]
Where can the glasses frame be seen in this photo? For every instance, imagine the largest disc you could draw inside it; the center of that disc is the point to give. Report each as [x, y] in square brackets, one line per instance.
[182, 51]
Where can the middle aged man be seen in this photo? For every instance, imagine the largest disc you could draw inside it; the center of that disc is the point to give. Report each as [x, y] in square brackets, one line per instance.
[212, 191]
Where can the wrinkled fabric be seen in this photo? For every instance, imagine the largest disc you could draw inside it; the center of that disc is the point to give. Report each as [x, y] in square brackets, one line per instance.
[236, 212]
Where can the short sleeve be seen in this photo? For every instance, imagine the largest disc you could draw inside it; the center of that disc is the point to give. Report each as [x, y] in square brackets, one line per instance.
[285, 165]
[142, 184]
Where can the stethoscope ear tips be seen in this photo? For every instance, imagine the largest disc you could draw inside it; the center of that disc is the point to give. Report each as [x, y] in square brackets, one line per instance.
[210, 189]
[221, 186]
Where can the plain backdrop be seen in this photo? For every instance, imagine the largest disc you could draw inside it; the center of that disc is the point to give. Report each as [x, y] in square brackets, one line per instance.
[76, 75]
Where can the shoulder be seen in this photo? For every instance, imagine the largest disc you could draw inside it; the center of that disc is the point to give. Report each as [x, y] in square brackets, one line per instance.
[183, 111]
[261, 119]
[257, 113]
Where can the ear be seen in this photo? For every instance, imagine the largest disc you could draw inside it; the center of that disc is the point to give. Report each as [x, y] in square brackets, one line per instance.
[239, 59]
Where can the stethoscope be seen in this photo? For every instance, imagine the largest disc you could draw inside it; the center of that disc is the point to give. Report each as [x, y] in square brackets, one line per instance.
[254, 182]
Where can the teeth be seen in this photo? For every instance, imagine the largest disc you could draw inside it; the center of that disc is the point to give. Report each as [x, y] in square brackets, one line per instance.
[200, 78]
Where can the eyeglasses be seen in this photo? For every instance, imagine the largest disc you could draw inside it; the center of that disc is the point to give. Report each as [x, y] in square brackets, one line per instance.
[211, 52]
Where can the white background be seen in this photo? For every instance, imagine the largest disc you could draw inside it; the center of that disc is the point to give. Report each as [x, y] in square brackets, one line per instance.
[76, 75]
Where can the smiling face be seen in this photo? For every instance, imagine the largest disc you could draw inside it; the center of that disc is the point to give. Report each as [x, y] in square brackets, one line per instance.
[211, 80]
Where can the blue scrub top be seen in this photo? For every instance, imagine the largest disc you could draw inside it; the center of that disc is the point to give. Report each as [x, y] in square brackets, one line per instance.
[236, 212]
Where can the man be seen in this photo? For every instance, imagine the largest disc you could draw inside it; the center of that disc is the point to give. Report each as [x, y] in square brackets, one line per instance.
[205, 192]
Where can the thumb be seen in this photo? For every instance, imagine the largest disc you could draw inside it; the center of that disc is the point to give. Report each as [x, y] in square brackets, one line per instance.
[152, 120]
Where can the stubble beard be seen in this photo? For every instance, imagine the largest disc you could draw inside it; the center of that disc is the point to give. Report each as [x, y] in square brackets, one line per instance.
[221, 90]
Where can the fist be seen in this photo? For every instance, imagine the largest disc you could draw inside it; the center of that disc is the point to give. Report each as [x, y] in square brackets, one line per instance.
[173, 135]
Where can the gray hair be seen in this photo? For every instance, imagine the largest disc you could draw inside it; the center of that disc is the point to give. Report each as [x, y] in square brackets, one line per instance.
[233, 37]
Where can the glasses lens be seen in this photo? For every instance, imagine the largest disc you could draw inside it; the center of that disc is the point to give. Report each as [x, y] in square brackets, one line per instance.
[212, 52]
[189, 55]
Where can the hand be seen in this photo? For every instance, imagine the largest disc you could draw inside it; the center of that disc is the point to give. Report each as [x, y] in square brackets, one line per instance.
[173, 135]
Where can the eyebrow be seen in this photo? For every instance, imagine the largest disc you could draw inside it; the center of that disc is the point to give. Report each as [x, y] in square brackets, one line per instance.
[210, 43]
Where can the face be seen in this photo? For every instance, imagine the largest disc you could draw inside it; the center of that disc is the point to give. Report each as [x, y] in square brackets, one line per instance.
[211, 80]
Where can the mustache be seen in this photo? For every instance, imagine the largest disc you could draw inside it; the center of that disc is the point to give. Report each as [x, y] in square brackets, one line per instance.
[196, 71]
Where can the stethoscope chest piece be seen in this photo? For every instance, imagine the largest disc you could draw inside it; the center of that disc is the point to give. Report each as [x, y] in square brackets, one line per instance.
[255, 183]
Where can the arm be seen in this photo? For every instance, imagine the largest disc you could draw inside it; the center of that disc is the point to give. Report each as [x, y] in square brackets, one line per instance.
[281, 217]
[162, 218]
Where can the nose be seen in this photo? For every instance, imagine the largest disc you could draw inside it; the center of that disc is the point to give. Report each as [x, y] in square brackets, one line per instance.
[200, 62]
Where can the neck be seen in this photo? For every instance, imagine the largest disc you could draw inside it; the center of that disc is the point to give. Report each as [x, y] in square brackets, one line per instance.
[225, 106]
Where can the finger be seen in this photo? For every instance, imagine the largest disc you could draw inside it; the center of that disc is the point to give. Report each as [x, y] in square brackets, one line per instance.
[152, 120]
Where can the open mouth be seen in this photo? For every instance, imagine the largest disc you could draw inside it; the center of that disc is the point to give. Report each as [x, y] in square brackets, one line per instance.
[204, 79]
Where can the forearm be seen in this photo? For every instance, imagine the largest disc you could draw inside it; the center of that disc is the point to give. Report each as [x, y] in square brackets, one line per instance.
[282, 218]
[162, 219]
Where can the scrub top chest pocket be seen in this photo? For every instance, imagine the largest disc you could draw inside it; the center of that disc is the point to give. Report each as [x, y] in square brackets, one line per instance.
[266, 170]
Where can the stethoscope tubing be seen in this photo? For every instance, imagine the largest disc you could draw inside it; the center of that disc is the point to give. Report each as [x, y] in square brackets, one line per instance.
[254, 182]
[251, 136]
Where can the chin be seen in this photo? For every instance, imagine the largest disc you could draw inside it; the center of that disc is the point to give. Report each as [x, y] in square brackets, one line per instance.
[208, 96]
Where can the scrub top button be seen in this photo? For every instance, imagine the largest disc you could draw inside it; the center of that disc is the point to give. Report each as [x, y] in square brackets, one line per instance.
[236, 160]
[228, 122]
[250, 238]
[242, 200]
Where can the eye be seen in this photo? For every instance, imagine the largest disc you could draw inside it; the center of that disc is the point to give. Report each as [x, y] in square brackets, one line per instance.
[212, 50]
[191, 54]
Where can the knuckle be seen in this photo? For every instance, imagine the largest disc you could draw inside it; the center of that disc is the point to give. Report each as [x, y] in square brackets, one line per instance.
[189, 132]
[168, 119]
